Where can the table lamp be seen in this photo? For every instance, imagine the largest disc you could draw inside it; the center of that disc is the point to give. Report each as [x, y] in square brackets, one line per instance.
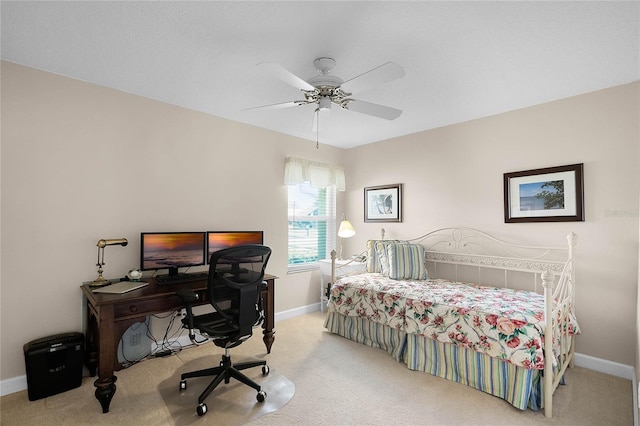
[102, 243]
[345, 230]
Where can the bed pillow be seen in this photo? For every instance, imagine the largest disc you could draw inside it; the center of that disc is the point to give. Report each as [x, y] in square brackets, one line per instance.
[381, 252]
[407, 262]
[376, 257]
[373, 262]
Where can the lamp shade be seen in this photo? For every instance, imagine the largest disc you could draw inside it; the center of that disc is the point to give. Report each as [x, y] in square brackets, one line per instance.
[346, 229]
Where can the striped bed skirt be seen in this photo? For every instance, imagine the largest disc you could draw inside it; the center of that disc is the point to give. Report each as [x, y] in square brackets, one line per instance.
[368, 333]
[519, 386]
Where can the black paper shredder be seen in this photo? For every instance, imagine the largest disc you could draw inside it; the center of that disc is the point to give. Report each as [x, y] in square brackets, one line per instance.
[54, 364]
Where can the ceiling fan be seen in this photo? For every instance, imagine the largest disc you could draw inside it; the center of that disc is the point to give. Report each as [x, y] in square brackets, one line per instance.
[325, 89]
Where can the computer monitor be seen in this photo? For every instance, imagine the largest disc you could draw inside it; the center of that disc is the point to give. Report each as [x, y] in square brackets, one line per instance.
[218, 240]
[172, 250]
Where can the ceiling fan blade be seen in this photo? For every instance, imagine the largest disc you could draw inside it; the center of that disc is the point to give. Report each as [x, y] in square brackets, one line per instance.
[376, 110]
[286, 76]
[278, 105]
[370, 79]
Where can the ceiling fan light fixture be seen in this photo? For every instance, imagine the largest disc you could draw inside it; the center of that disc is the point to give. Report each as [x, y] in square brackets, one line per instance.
[324, 104]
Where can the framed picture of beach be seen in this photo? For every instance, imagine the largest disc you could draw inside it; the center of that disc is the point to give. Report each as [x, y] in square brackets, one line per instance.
[383, 203]
[553, 194]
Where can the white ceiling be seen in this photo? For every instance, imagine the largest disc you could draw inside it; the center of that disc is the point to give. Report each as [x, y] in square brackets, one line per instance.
[463, 60]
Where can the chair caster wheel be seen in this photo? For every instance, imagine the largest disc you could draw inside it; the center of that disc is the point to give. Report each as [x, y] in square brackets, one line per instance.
[265, 370]
[183, 385]
[202, 409]
[262, 395]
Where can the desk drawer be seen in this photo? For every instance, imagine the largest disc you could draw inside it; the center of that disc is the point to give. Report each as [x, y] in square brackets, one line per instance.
[144, 307]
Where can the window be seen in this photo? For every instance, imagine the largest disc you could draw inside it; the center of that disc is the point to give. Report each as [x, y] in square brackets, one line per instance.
[311, 225]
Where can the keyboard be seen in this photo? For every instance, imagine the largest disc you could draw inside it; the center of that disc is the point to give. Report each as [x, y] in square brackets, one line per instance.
[182, 278]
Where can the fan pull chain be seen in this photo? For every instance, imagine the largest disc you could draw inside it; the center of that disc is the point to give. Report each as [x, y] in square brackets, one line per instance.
[317, 128]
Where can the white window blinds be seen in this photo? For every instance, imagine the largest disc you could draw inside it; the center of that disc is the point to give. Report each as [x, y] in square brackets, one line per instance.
[311, 211]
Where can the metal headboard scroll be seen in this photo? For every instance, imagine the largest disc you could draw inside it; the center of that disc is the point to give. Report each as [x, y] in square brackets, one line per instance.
[470, 246]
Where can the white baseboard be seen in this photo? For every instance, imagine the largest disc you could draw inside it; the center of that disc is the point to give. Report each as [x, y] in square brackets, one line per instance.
[292, 313]
[17, 384]
[604, 366]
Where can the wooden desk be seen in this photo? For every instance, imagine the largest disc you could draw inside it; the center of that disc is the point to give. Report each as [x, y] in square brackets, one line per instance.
[109, 316]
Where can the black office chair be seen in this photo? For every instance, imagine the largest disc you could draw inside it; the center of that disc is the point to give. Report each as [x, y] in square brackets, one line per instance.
[234, 290]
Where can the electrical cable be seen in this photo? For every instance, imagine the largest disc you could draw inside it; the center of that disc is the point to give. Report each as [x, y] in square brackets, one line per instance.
[166, 346]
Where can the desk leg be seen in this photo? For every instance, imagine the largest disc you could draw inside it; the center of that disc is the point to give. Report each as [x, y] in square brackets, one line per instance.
[101, 339]
[268, 339]
[91, 341]
[268, 298]
[105, 389]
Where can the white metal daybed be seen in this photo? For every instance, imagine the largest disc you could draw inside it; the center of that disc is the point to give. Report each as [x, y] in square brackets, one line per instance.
[433, 302]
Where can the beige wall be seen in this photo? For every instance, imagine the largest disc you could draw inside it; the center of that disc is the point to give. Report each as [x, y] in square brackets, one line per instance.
[81, 162]
[453, 176]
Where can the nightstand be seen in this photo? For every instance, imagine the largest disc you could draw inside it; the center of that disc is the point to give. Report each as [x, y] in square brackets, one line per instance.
[343, 267]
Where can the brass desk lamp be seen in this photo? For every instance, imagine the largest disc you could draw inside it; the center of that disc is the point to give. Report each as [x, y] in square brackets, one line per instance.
[100, 281]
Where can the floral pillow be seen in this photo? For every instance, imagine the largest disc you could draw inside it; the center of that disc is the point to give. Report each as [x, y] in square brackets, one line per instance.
[406, 262]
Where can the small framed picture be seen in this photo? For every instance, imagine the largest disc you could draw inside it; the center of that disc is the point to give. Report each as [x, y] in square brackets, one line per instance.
[383, 203]
[553, 194]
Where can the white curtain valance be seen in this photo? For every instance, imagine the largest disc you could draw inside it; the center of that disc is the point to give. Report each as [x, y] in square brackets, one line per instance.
[321, 175]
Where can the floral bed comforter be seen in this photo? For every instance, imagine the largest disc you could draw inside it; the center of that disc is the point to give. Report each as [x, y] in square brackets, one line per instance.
[501, 323]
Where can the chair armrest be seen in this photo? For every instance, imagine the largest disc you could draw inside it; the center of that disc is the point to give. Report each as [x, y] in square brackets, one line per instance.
[187, 296]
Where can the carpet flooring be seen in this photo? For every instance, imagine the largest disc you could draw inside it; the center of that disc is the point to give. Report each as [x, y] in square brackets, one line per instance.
[316, 378]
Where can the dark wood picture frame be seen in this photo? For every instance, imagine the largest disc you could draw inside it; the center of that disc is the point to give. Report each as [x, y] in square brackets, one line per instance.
[383, 203]
[552, 194]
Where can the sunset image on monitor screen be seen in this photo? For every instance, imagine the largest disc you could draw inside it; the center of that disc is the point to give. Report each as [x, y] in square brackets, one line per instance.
[172, 250]
[221, 240]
